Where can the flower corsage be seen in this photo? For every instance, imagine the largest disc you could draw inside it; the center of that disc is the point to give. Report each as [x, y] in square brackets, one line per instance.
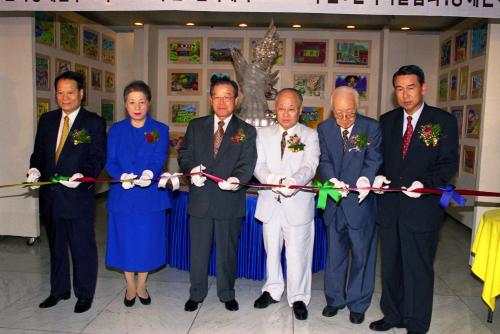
[152, 136]
[80, 137]
[359, 141]
[294, 144]
[430, 134]
[239, 137]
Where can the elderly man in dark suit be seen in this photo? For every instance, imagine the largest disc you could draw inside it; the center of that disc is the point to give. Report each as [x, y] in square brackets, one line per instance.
[222, 145]
[70, 141]
[420, 149]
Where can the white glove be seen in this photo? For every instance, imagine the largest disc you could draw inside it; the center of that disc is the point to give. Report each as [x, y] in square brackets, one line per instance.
[145, 179]
[380, 182]
[414, 185]
[339, 184]
[286, 191]
[128, 180]
[363, 182]
[274, 179]
[174, 180]
[229, 184]
[198, 179]
[33, 176]
[72, 183]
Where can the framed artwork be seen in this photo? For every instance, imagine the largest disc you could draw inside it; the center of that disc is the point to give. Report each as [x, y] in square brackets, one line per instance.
[96, 79]
[461, 47]
[310, 84]
[175, 141]
[109, 82]
[84, 70]
[42, 72]
[476, 84]
[184, 82]
[108, 49]
[62, 66]
[280, 59]
[473, 115]
[445, 53]
[463, 79]
[458, 112]
[312, 116]
[108, 111]
[453, 85]
[310, 52]
[90, 44]
[182, 112]
[479, 39]
[185, 50]
[357, 81]
[219, 73]
[219, 49]
[352, 53]
[45, 28]
[443, 87]
[469, 159]
[42, 106]
[69, 37]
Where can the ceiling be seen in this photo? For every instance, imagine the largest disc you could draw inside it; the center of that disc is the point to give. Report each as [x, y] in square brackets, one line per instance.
[123, 21]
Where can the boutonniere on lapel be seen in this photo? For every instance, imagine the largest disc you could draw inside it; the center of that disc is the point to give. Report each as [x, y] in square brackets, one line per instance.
[430, 134]
[359, 141]
[294, 144]
[239, 137]
[80, 137]
[152, 136]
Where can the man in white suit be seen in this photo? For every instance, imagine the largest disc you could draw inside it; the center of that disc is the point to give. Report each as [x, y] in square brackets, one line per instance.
[288, 154]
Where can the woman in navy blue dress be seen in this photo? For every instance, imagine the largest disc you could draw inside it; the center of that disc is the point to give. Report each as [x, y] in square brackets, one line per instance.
[137, 150]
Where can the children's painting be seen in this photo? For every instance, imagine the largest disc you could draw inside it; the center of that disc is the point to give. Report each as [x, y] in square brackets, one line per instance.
[473, 115]
[70, 37]
[45, 28]
[90, 44]
[184, 82]
[357, 81]
[183, 111]
[310, 84]
[220, 49]
[309, 52]
[42, 72]
[352, 53]
[185, 50]
[108, 49]
[312, 116]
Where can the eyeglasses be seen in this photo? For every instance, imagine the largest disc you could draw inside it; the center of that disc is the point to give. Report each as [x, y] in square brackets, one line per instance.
[224, 99]
[344, 116]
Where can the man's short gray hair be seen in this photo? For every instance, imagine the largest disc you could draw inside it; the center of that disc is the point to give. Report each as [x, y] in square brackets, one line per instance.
[348, 90]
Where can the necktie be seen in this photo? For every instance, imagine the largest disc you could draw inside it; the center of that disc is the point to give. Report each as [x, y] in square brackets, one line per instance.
[345, 138]
[407, 136]
[219, 134]
[283, 143]
[64, 136]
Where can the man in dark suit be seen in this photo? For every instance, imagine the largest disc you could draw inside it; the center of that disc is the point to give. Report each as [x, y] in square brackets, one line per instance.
[222, 145]
[70, 141]
[350, 154]
[420, 149]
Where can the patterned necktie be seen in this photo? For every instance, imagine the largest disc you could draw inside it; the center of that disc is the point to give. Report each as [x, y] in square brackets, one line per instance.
[219, 134]
[345, 138]
[283, 143]
[407, 136]
[64, 136]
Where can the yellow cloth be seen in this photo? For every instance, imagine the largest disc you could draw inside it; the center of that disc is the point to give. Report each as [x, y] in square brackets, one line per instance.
[64, 136]
[486, 246]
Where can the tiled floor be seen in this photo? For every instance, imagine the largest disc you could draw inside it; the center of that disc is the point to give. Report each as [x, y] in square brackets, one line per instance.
[24, 278]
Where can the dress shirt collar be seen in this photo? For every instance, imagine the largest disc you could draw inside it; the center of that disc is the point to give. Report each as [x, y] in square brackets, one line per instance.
[226, 122]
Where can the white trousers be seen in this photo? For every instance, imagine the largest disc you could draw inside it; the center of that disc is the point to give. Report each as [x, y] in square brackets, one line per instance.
[299, 244]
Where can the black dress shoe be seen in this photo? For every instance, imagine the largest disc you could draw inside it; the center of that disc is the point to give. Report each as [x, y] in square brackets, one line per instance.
[330, 311]
[83, 305]
[231, 305]
[356, 318]
[145, 301]
[191, 306]
[128, 302]
[52, 301]
[413, 332]
[300, 310]
[382, 325]
[264, 300]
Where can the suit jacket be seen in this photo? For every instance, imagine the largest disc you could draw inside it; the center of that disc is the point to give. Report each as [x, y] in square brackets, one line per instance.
[87, 159]
[233, 159]
[299, 208]
[127, 154]
[348, 166]
[433, 166]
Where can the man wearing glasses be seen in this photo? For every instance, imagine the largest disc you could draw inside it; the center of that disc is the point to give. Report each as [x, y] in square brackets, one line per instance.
[222, 145]
[350, 155]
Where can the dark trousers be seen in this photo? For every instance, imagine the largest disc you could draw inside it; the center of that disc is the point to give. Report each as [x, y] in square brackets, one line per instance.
[227, 233]
[78, 234]
[407, 276]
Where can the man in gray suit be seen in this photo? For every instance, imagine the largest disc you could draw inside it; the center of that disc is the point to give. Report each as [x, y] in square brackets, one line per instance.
[222, 145]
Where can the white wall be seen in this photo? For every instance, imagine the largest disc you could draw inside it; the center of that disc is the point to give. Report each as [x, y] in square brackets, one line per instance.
[18, 206]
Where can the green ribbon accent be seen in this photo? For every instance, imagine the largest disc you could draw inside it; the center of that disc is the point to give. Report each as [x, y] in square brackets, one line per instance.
[56, 179]
[326, 189]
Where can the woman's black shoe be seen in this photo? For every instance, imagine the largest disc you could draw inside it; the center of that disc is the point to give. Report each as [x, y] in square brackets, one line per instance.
[128, 302]
[145, 301]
